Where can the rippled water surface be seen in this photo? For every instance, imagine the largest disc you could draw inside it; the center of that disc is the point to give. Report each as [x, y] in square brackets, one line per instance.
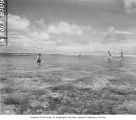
[67, 85]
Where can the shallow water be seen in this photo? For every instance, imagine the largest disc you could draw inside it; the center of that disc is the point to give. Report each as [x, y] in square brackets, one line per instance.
[19, 74]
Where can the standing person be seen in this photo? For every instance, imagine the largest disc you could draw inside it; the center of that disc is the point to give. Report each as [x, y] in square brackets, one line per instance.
[39, 59]
[109, 57]
[122, 57]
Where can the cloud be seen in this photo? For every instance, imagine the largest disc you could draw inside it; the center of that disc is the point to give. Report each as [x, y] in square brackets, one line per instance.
[130, 6]
[16, 22]
[64, 28]
[39, 35]
[67, 37]
[109, 35]
[41, 23]
[113, 35]
[26, 45]
[125, 32]
[54, 29]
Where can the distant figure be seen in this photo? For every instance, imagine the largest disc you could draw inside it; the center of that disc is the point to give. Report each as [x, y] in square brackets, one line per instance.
[122, 57]
[39, 59]
[79, 55]
[109, 57]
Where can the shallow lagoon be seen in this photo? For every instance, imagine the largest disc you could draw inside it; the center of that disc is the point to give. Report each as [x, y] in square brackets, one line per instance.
[67, 85]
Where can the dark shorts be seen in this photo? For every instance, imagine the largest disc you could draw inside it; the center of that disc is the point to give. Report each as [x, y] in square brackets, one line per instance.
[38, 61]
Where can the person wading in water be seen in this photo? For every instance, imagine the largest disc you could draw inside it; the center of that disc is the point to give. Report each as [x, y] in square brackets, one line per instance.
[122, 57]
[39, 59]
[109, 57]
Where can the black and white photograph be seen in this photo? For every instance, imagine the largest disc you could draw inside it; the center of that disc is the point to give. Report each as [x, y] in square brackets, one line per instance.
[68, 57]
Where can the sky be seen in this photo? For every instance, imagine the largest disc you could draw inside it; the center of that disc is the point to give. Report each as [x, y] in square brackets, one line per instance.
[71, 26]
